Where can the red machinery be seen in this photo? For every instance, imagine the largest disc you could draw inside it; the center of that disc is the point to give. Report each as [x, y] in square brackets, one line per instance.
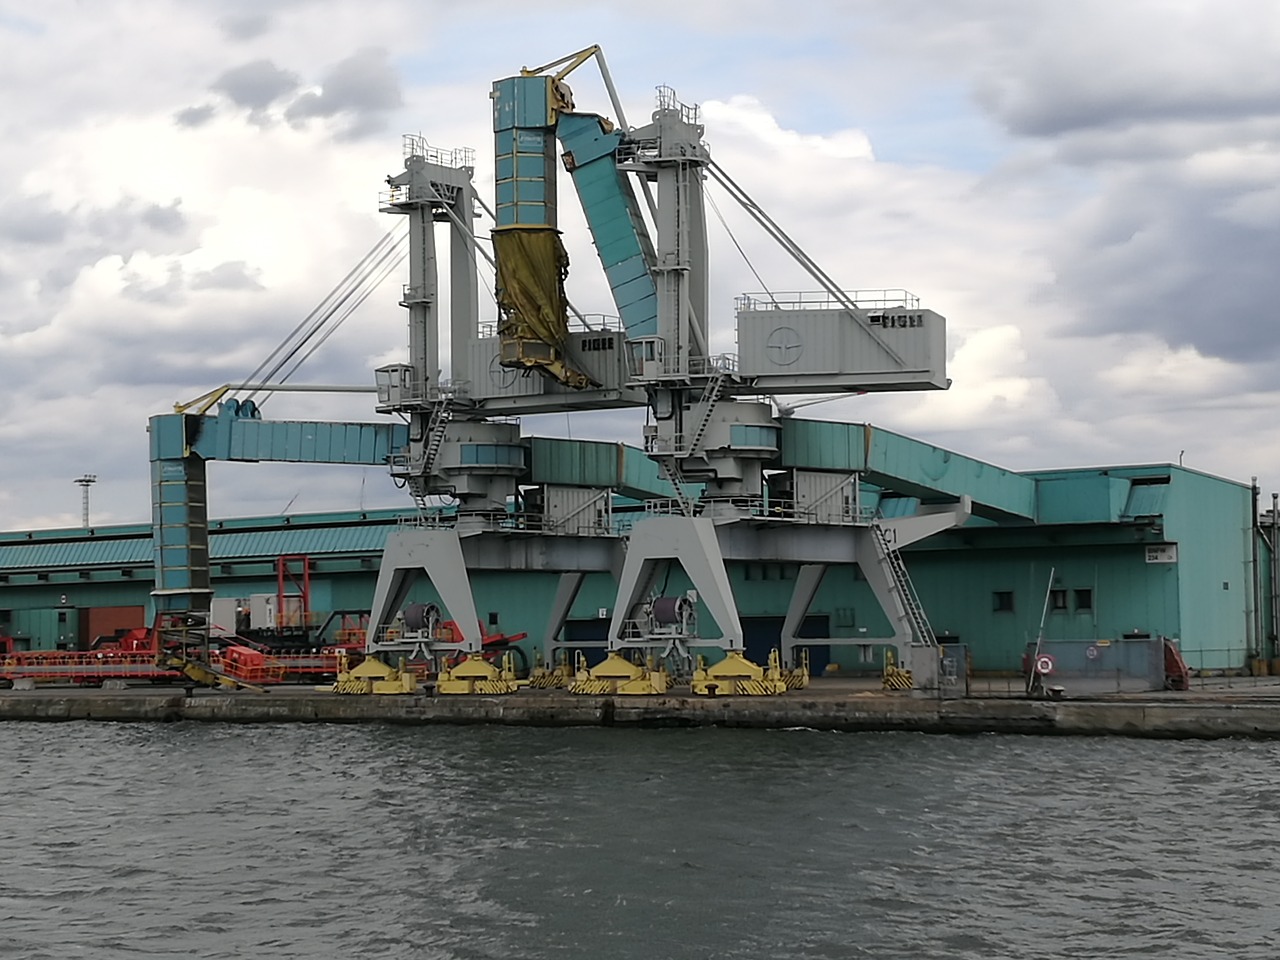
[492, 645]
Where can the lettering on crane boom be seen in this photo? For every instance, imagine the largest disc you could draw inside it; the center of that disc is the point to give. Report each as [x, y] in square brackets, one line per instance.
[897, 320]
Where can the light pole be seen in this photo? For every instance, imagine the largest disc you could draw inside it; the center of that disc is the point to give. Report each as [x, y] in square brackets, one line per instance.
[85, 482]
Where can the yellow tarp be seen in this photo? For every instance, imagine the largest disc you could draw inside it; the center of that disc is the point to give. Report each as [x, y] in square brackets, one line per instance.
[532, 265]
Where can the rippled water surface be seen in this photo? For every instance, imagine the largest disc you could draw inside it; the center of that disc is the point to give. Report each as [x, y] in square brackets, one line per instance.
[192, 840]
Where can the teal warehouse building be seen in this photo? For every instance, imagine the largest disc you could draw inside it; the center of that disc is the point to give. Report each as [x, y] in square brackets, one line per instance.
[1109, 553]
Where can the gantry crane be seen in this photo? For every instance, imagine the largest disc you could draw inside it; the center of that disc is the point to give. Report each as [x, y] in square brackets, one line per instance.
[710, 422]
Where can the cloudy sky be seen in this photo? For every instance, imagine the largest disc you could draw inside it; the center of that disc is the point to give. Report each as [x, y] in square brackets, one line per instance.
[1089, 191]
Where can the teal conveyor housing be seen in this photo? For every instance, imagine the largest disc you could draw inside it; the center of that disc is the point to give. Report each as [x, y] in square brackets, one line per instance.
[180, 445]
[524, 149]
[526, 125]
[622, 242]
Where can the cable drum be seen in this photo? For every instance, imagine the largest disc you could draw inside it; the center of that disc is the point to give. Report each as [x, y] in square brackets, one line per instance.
[421, 616]
[669, 610]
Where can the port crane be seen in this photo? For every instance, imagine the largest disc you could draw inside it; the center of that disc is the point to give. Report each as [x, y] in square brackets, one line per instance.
[710, 420]
[710, 436]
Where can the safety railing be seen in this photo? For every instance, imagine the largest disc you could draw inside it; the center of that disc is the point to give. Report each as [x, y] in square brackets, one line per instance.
[1212, 669]
[770, 508]
[578, 323]
[722, 364]
[416, 145]
[254, 667]
[824, 300]
[1232, 667]
[501, 521]
[451, 388]
[711, 366]
[667, 100]
[81, 665]
[590, 323]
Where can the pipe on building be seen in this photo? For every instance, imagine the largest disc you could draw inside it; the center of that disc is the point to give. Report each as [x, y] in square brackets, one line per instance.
[1257, 642]
[1275, 572]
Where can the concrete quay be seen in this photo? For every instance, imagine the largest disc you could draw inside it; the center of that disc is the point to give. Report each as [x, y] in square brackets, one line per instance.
[1201, 715]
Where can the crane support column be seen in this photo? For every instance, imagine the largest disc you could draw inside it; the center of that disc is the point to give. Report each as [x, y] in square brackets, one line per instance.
[179, 519]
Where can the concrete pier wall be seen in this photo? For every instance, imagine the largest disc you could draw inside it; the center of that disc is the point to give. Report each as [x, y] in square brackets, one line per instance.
[1200, 718]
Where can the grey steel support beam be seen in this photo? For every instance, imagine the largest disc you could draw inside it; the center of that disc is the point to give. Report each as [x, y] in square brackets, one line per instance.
[808, 580]
[692, 542]
[437, 553]
[523, 552]
[424, 339]
[928, 520]
[566, 592]
[875, 570]
[463, 286]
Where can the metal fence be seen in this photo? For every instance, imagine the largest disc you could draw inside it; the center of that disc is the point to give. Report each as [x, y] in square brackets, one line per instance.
[1246, 671]
[1102, 667]
[1084, 668]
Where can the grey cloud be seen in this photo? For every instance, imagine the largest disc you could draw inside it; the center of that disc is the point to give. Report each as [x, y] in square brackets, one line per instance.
[170, 291]
[365, 86]
[130, 226]
[245, 26]
[194, 116]
[63, 245]
[32, 220]
[232, 275]
[1166, 118]
[1047, 71]
[256, 85]
[167, 219]
[1166, 256]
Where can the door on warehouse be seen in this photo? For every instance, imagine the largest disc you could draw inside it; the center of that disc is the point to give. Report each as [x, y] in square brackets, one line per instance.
[762, 634]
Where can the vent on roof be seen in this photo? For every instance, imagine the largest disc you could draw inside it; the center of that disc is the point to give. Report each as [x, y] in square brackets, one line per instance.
[1148, 481]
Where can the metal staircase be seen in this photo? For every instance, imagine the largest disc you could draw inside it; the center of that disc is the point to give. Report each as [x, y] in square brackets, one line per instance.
[900, 579]
[419, 479]
[671, 472]
[441, 414]
[706, 406]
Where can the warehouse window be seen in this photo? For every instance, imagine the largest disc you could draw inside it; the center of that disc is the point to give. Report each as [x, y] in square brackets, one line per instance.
[1057, 599]
[1002, 601]
[1084, 599]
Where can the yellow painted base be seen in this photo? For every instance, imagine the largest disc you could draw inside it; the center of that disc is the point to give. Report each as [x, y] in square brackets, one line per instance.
[895, 677]
[615, 674]
[542, 677]
[797, 678]
[735, 675]
[199, 672]
[477, 675]
[373, 676]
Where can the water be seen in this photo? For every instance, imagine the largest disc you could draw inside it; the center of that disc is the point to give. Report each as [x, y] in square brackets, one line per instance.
[204, 841]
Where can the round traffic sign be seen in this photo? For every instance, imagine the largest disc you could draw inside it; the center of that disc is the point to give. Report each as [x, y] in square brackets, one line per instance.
[1092, 652]
[1044, 664]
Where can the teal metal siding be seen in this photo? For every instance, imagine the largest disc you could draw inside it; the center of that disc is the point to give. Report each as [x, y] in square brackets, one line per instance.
[1146, 500]
[1210, 521]
[311, 542]
[1126, 592]
[76, 553]
[906, 466]
[822, 445]
[613, 217]
[589, 463]
[1081, 499]
[583, 463]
